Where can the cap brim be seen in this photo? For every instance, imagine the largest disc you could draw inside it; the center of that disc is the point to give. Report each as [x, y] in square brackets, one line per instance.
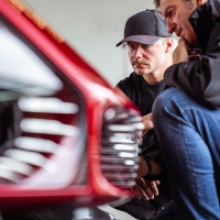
[142, 39]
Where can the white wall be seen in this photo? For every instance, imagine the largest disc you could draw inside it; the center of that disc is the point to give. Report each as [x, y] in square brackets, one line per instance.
[93, 27]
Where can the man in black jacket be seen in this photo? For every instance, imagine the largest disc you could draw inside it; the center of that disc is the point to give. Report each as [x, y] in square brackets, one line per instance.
[187, 117]
[150, 50]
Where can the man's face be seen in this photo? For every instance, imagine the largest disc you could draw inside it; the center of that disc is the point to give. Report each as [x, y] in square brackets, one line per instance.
[176, 14]
[146, 59]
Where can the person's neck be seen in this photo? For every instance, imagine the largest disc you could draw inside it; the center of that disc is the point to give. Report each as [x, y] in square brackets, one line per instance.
[153, 78]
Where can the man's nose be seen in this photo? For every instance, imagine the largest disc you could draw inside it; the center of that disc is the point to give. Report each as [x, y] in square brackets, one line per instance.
[137, 52]
[171, 26]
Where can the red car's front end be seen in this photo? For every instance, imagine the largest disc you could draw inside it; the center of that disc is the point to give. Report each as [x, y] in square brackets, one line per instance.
[66, 135]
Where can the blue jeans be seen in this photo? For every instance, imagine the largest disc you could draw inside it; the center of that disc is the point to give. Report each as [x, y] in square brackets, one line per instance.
[189, 135]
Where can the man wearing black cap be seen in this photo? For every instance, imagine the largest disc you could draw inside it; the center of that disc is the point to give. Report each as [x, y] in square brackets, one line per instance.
[150, 50]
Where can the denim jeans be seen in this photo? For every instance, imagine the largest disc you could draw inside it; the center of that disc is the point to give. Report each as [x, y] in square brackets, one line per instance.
[189, 136]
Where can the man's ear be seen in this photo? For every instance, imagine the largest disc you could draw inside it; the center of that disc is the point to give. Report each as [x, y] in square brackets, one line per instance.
[169, 44]
[201, 2]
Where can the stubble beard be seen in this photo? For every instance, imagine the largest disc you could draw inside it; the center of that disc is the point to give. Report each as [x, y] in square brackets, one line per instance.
[142, 72]
[145, 66]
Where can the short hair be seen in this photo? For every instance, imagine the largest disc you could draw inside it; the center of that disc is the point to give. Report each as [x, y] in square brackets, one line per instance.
[157, 3]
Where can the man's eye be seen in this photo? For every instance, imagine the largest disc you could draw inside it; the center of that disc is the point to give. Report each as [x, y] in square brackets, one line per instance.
[146, 45]
[131, 46]
[170, 13]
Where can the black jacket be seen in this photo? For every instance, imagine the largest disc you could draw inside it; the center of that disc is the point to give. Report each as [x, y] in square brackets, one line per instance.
[201, 78]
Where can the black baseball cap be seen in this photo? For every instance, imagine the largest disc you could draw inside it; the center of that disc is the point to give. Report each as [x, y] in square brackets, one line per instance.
[145, 27]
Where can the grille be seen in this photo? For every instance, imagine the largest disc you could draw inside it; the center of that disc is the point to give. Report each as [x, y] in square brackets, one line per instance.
[37, 137]
[119, 146]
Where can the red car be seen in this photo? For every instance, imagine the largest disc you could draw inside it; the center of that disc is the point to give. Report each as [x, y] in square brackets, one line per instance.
[66, 135]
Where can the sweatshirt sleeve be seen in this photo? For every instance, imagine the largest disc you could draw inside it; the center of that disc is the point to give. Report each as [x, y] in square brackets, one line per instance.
[200, 78]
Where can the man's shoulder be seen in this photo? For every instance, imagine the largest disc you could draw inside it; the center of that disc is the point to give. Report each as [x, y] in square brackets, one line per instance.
[133, 77]
[128, 83]
[215, 32]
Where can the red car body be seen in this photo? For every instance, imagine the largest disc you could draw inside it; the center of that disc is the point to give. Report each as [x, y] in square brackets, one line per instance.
[89, 170]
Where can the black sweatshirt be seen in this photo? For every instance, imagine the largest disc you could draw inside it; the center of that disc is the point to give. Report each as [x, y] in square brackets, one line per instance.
[201, 78]
[143, 96]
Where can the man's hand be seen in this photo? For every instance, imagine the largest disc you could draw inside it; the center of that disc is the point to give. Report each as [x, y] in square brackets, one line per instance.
[180, 54]
[148, 123]
[146, 189]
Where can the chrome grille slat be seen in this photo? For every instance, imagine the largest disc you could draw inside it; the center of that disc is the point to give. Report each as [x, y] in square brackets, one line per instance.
[119, 153]
[117, 140]
[120, 176]
[36, 144]
[124, 135]
[7, 174]
[16, 166]
[119, 167]
[124, 127]
[123, 184]
[113, 159]
[47, 105]
[108, 151]
[121, 147]
[134, 119]
[108, 137]
[32, 158]
[53, 127]
[121, 127]
[40, 145]
[120, 116]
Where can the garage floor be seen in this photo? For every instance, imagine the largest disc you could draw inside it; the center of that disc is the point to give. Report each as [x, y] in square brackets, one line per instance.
[96, 213]
[119, 215]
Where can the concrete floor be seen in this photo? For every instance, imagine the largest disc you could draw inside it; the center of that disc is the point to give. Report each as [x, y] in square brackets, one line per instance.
[119, 215]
